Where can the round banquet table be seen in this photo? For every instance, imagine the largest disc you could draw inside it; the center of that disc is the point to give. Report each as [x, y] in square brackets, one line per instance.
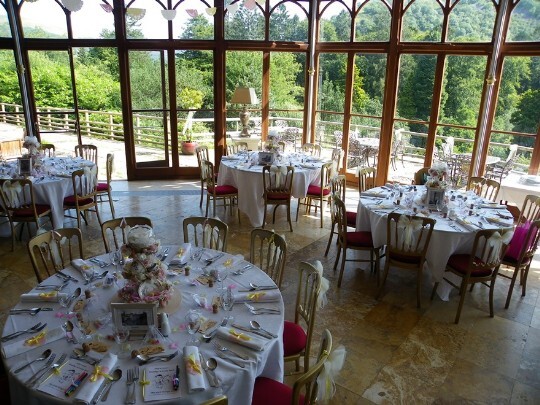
[449, 236]
[52, 183]
[236, 382]
[247, 178]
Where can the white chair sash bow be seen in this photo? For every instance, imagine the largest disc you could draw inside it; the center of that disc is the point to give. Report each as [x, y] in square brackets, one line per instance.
[408, 227]
[280, 172]
[325, 380]
[322, 300]
[495, 242]
[12, 191]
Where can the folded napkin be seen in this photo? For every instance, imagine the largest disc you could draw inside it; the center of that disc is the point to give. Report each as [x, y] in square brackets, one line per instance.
[41, 338]
[182, 254]
[387, 206]
[83, 267]
[92, 383]
[192, 361]
[51, 296]
[257, 296]
[373, 193]
[493, 206]
[307, 166]
[228, 261]
[241, 337]
[466, 224]
[499, 221]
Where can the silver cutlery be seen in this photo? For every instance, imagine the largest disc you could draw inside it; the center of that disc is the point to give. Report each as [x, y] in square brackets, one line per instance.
[54, 367]
[212, 379]
[226, 349]
[36, 328]
[165, 254]
[147, 359]
[255, 287]
[65, 276]
[241, 270]
[252, 308]
[42, 369]
[100, 263]
[256, 326]
[135, 379]
[208, 336]
[44, 356]
[129, 383]
[52, 286]
[116, 375]
[251, 330]
[213, 259]
[229, 359]
[29, 311]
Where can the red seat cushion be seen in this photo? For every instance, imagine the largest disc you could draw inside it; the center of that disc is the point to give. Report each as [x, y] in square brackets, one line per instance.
[404, 258]
[294, 339]
[360, 239]
[316, 191]
[459, 263]
[102, 187]
[351, 219]
[278, 196]
[223, 190]
[82, 201]
[270, 392]
[29, 212]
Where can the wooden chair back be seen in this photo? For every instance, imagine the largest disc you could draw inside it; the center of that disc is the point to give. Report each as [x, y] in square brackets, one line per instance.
[337, 159]
[408, 239]
[54, 250]
[312, 149]
[420, 177]
[206, 232]
[114, 231]
[366, 178]
[485, 188]
[530, 210]
[87, 152]
[268, 251]
[48, 149]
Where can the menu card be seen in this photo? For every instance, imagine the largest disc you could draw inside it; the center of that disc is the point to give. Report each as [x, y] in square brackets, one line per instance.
[57, 384]
[159, 384]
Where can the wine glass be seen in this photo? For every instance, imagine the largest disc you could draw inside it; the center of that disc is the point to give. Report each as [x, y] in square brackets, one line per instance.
[121, 337]
[227, 302]
[193, 319]
[220, 275]
[64, 300]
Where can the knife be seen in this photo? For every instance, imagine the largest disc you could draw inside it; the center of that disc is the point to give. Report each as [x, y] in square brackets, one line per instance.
[256, 332]
[22, 311]
[61, 274]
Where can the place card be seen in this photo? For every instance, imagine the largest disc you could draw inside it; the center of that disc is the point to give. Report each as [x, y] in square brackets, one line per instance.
[159, 383]
[57, 384]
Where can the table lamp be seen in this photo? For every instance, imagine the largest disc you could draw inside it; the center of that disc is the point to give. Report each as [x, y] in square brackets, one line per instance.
[245, 96]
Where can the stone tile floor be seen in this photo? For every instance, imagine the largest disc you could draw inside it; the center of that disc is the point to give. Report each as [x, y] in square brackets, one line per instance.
[396, 353]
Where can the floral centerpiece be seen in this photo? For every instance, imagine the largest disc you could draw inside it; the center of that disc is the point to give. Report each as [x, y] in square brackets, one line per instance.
[145, 272]
[272, 144]
[436, 183]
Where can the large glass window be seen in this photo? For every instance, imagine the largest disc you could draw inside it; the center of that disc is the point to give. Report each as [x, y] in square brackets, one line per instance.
[43, 19]
[525, 21]
[423, 21]
[373, 21]
[471, 21]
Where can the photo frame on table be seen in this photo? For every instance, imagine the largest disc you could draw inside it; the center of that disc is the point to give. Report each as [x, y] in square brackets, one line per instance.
[266, 158]
[137, 317]
[25, 166]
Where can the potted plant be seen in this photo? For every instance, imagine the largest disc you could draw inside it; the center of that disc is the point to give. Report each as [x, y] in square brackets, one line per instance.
[188, 144]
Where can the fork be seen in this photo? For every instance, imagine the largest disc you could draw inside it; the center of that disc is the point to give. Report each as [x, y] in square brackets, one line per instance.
[226, 349]
[230, 359]
[53, 287]
[129, 382]
[252, 308]
[36, 328]
[52, 368]
[42, 369]
[135, 379]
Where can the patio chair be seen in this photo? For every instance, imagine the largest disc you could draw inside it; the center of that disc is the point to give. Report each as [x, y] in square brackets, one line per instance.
[481, 265]
[500, 170]
[54, 250]
[268, 251]
[210, 233]
[290, 136]
[117, 230]
[19, 203]
[105, 188]
[277, 190]
[407, 242]
[87, 152]
[296, 339]
[305, 389]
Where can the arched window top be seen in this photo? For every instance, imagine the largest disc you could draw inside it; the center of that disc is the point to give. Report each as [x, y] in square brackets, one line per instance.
[101, 15]
[335, 21]
[43, 19]
[5, 32]
[472, 21]
[192, 19]
[525, 21]
[244, 23]
[289, 21]
[422, 21]
[144, 20]
[373, 20]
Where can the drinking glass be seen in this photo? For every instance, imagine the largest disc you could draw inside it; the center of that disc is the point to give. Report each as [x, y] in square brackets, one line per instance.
[220, 275]
[193, 319]
[121, 337]
[227, 302]
[65, 301]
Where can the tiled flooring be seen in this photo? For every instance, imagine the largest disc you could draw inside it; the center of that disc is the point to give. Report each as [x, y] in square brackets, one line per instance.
[396, 353]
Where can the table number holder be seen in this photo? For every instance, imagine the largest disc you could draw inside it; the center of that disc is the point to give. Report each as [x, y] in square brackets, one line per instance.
[434, 194]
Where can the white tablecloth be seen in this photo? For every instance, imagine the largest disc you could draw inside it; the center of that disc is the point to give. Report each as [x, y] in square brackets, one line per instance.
[237, 383]
[514, 189]
[445, 240]
[249, 183]
[51, 189]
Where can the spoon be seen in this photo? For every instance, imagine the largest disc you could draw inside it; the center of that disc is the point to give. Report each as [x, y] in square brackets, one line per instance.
[211, 363]
[143, 359]
[115, 376]
[97, 277]
[81, 355]
[256, 326]
[242, 270]
[263, 287]
[43, 356]
[75, 295]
